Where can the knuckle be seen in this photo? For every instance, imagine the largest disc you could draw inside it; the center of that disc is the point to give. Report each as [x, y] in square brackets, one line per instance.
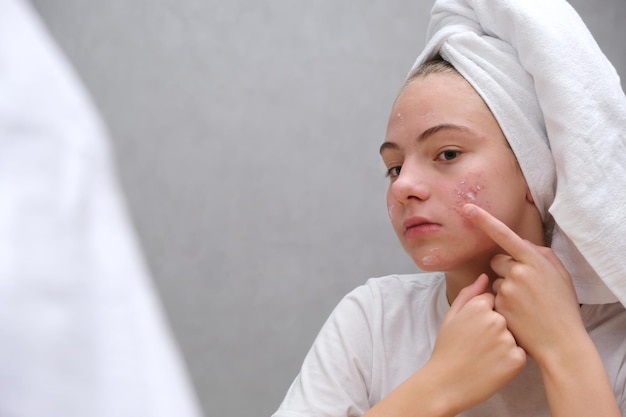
[498, 321]
[483, 302]
[517, 363]
[518, 271]
[520, 357]
[506, 289]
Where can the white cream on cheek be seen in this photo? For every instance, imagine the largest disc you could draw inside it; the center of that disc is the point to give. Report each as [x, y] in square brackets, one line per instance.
[391, 208]
[394, 211]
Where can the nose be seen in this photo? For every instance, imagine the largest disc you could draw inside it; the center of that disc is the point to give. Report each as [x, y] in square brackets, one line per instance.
[411, 184]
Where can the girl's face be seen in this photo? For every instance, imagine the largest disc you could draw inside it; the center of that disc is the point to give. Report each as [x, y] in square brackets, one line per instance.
[443, 149]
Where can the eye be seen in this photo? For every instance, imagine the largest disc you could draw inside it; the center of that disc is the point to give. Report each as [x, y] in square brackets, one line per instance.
[448, 155]
[393, 172]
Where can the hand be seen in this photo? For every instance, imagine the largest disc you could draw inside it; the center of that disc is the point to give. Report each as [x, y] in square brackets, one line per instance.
[475, 353]
[535, 292]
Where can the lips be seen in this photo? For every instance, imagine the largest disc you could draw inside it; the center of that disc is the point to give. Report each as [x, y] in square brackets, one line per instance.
[419, 226]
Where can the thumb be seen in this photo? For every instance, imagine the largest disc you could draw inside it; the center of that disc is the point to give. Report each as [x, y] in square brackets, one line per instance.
[476, 288]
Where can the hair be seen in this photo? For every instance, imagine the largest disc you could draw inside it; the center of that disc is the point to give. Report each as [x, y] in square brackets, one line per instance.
[435, 65]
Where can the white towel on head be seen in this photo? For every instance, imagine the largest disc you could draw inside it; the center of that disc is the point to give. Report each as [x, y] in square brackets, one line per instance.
[560, 104]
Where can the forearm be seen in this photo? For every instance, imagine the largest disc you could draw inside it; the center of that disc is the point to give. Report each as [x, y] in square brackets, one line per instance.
[576, 382]
[421, 395]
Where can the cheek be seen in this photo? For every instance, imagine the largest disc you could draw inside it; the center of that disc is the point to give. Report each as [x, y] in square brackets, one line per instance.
[470, 191]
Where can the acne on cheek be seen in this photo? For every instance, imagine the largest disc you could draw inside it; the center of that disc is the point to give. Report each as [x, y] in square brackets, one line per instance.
[469, 192]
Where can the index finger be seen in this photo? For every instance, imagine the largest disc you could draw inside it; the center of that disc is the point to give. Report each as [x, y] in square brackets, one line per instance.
[508, 240]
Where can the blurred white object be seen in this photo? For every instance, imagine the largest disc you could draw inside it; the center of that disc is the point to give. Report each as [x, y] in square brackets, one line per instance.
[82, 332]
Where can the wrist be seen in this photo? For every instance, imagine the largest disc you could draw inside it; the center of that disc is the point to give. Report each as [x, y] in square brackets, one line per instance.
[571, 359]
[443, 398]
[576, 382]
[424, 394]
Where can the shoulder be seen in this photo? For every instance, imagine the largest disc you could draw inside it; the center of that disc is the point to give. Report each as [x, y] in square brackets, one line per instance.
[397, 297]
[399, 287]
[606, 324]
[605, 320]
[376, 336]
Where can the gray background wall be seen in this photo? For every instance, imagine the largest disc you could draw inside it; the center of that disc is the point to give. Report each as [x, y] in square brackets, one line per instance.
[246, 135]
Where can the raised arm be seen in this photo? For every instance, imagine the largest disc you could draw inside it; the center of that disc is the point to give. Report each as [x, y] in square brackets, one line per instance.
[537, 298]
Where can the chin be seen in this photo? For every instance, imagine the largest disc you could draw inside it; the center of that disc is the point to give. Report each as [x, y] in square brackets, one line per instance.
[439, 260]
[431, 261]
[429, 268]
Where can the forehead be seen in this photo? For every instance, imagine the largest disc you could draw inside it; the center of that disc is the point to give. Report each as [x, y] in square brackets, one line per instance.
[439, 98]
[444, 89]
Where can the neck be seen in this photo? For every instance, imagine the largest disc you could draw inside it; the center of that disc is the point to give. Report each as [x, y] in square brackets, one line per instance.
[460, 278]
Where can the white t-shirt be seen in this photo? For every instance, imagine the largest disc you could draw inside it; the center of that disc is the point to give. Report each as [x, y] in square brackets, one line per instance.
[384, 331]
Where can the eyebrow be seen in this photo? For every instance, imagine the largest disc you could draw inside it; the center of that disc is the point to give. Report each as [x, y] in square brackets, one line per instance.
[425, 135]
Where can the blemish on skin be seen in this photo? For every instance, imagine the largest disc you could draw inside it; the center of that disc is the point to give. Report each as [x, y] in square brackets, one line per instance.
[471, 195]
[466, 194]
